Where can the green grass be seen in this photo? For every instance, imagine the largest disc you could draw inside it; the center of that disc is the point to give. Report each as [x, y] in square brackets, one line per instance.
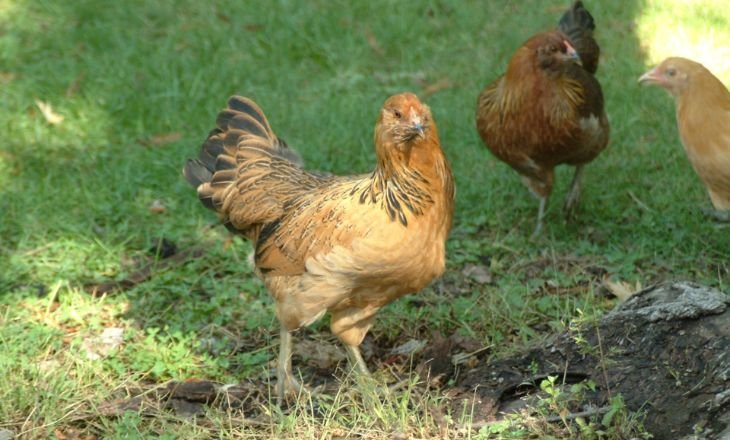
[75, 197]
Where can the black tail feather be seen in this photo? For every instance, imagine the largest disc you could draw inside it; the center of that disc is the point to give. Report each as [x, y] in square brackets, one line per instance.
[577, 18]
[578, 25]
[250, 108]
[196, 173]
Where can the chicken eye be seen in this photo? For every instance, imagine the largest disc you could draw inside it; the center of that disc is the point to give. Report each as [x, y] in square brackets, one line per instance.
[397, 114]
[671, 72]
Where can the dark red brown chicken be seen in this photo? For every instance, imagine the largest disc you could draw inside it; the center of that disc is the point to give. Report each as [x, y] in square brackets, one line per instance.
[547, 109]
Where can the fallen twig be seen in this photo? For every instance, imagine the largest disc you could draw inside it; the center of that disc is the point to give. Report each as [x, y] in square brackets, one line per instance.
[638, 201]
[573, 416]
[476, 426]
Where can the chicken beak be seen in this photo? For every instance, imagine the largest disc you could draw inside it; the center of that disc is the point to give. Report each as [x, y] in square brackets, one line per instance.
[571, 54]
[649, 77]
[417, 129]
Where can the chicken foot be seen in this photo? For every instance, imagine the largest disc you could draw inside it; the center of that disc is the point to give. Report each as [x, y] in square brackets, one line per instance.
[717, 215]
[368, 387]
[286, 383]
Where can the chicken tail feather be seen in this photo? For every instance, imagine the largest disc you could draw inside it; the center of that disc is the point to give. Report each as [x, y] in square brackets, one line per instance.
[245, 115]
[578, 25]
[577, 18]
[196, 172]
[241, 124]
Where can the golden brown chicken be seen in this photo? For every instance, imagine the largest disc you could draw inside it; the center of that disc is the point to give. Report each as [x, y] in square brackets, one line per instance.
[703, 119]
[547, 109]
[347, 245]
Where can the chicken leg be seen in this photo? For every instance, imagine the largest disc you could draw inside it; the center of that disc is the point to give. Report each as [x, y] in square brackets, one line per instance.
[540, 216]
[286, 383]
[356, 360]
[540, 183]
[571, 200]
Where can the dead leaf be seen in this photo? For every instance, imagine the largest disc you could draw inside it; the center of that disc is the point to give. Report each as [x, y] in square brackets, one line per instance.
[120, 406]
[466, 343]
[620, 289]
[48, 366]
[319, 354]
[430, 89]
[410, 347]
[438, 354]
[157, 207]
[205, 391]
[51, 116]
[373, 42]
[478, 273]
[467, 359]
[75, 85]
[101, 346]
[186, 409]
[194, 390]
[69, 433]
[6, 77]
[161, 139]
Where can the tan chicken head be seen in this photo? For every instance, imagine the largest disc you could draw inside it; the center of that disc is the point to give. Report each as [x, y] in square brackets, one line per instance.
[673, 74]
[404, 122]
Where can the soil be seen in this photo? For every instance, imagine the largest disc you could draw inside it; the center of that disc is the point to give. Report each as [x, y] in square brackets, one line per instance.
[666, 351]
